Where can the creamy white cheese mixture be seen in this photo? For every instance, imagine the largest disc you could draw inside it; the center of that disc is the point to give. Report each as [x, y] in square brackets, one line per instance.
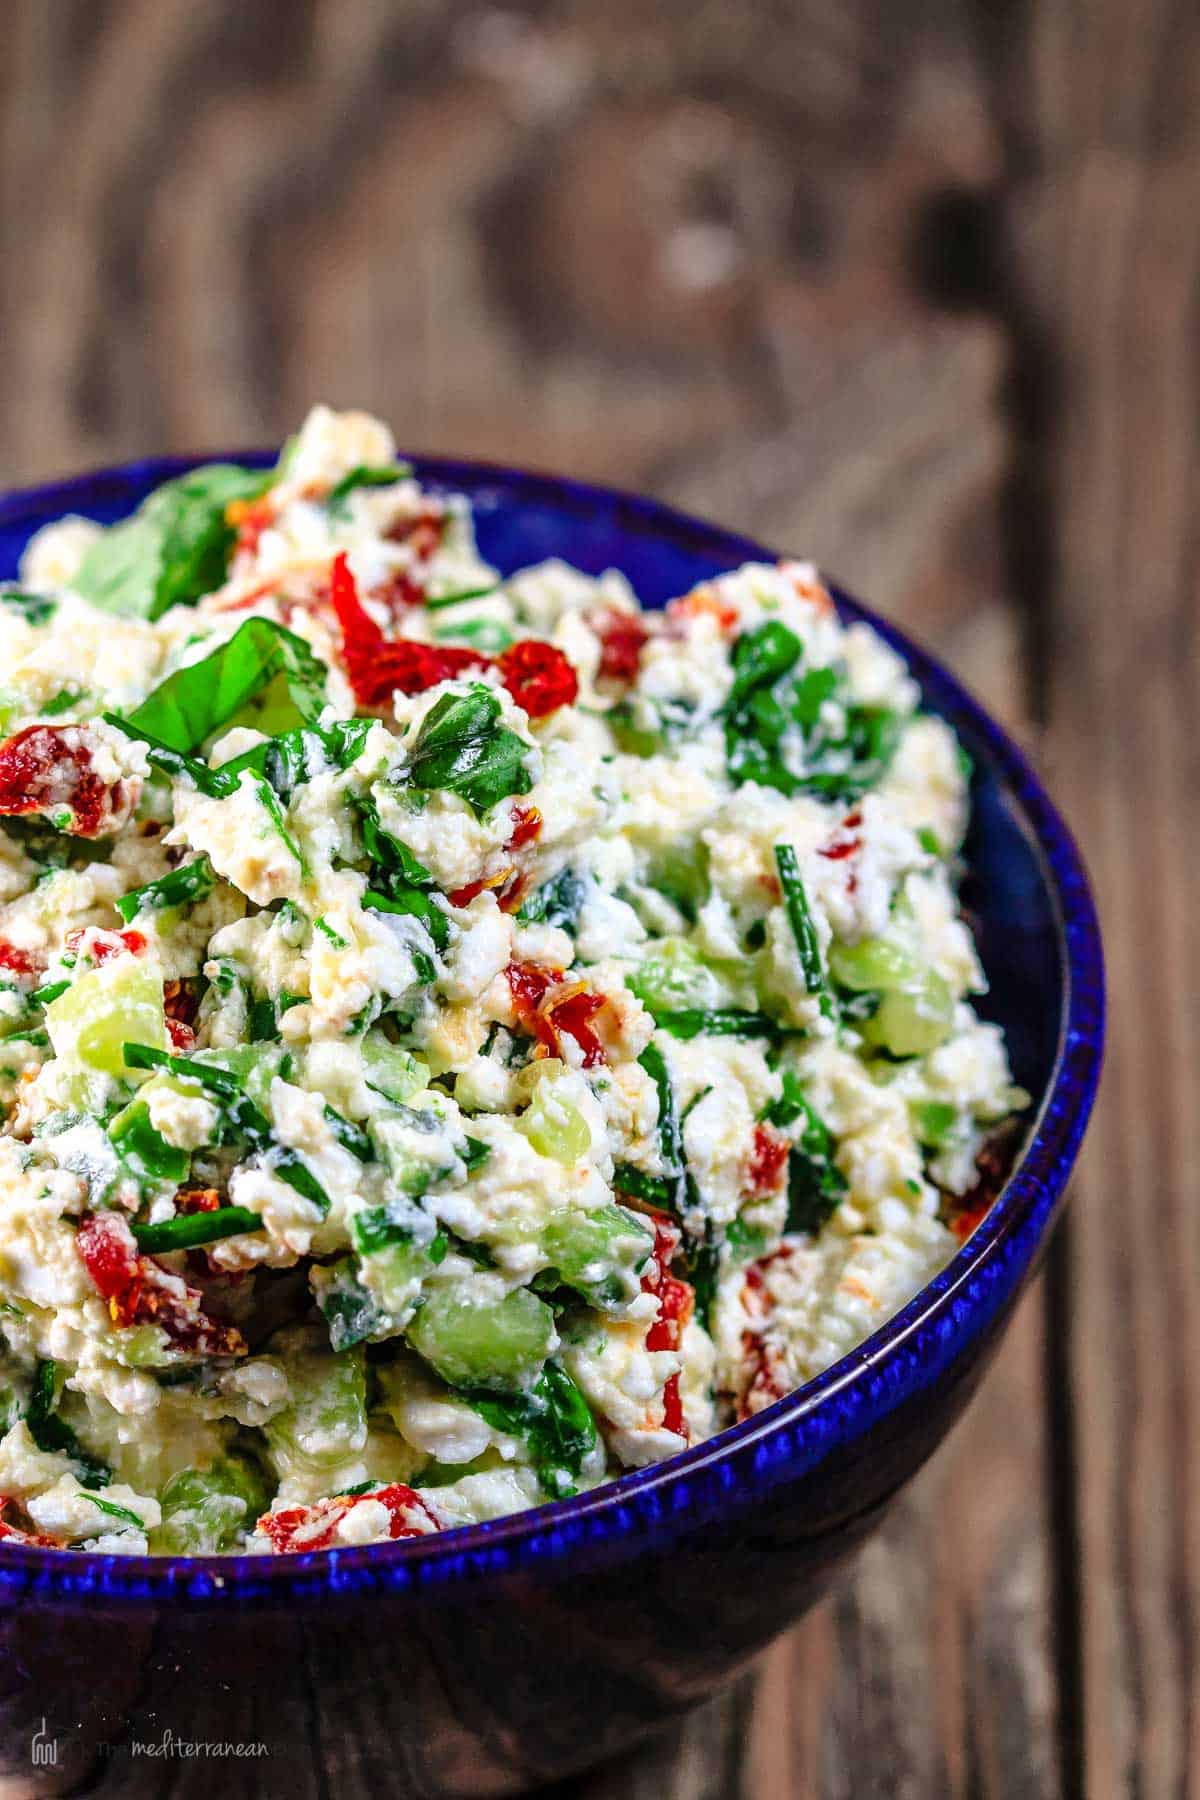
[463, 1037]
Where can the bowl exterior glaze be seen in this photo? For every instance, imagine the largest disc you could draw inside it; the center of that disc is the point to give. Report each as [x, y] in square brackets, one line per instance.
[522, 1650]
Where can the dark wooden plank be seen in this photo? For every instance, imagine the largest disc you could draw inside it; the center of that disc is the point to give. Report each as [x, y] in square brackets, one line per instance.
[714, 254]
[1107, 111]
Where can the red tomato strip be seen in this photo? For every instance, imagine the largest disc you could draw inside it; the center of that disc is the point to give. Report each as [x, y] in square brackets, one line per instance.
[298, 1528]
[538, 676]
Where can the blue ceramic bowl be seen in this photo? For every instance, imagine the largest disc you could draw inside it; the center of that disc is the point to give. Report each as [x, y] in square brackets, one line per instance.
[521, 1650]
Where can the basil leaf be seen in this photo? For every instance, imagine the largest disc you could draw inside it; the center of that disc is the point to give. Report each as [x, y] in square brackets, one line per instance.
[174, 763]
[189, 1229]
[362, 476]
[555, 1421]
[351, 1310]
[417, 905]
[670, 1135]
[816, 1186]
[194, 703]
[35, 609]
[462, 748]
[240, 1117]
[775, 733]
[438, 602]
[704, 1269]
[475, 1153]
[651, 1190]
[174, 549]
[558, 902]
[760, 657]
[386, 851]
[52, 1434]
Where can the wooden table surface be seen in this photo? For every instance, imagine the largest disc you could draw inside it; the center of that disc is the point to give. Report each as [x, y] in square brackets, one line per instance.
[910, 287]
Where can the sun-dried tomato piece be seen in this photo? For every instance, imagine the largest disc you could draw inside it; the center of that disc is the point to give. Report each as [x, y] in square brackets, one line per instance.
[768, 1378]
[361, 636]
[966, 1211]
[845, 842]
[422, 532]
[549, 1014]
[48, 769]
[17, 962]
[529, 985]
[463, 896]
[403, 664]
[140, 1292]
[102, 946]
[768, 1160]
[526, 826]
[571, 1017]
[538, 676]
[197, 1200]
[110, 1256]
[295, 1529]
[676, 1303]
[622, 638]
[399, 592]
[702, 600]
[16, 1534]
[250, 518]
[181, 1001]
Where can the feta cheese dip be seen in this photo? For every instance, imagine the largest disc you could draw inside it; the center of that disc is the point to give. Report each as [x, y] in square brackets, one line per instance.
[461, 1037]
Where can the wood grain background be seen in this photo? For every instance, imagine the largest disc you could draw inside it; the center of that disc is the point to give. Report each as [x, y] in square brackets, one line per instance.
[910, 287]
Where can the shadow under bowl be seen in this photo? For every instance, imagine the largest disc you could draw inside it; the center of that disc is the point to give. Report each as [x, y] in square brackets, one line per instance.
[522, 1650]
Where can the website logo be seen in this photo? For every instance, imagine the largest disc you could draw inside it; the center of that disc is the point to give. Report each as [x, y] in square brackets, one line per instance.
[43, 1749]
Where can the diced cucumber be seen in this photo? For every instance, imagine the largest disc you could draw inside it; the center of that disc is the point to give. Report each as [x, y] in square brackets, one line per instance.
[932, 1121]
[913, 1020]
[554, 1127]
[600, 1254]
[391, 1071]
[351, 1312]
[876, 965]
[477, 1338]
[121, 1002]
[255, 1065]
[677, 978]
[207, 1510]
[327, 1420]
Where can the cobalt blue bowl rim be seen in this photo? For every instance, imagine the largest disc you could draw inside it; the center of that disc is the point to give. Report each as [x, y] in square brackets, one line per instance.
[800, 1430]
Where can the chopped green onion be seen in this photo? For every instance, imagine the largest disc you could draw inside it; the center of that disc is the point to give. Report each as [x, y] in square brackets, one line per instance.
[351, 1137]
[187, 1230]
[362, 476]
[694, 1021]
[114, 1511]
[803, 930]
[181, 887]
[335, 937]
